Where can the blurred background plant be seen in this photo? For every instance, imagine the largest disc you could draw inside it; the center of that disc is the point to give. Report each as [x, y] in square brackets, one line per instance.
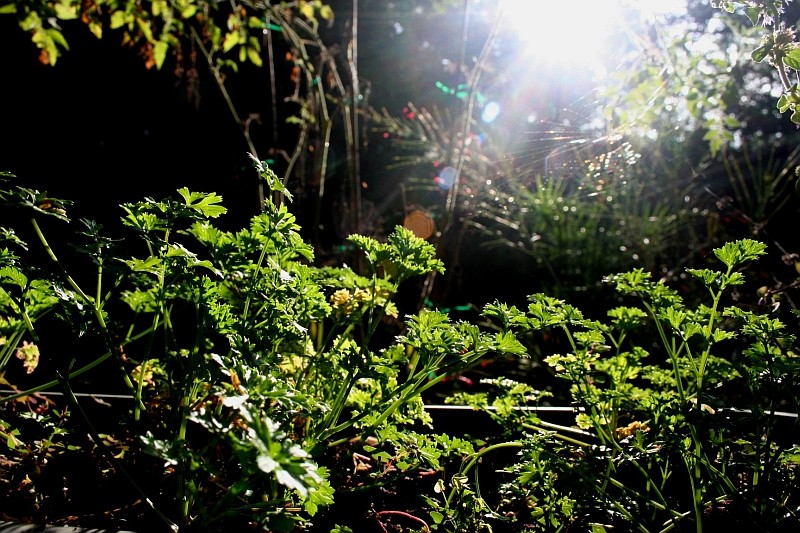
[488, 128]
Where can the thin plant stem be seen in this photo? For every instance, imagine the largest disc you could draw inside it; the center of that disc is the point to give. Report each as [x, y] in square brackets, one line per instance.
[110, 455]
[475, 458]
[98, 313]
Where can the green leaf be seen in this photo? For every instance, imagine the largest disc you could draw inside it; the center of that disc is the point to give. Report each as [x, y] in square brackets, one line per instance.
[188, 11]
[118, 19]
[792, 58]
[326, 13]
[627, 318]
[160, 53]
[140, 301]
[783, 103]
[791, 456]
[274, 183]
[321, 492]
[508, 343]
[144, 27]
[152, 264]
[709, 277]
[760, 53]
[741, 251]
[753, 13]
[8, 9]
[307, 10]
[254, 56]
[58, 38]
[721, 335]
[717, 137]
[231, 40]
[731, 121]
[160, 448]
[205, 203]
[691, 329]
[15, 276]
[736, 278]
[66, 12]
[411, 255]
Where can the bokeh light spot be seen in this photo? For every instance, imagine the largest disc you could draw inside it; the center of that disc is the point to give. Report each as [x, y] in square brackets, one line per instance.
[490, 112]
[446, 178]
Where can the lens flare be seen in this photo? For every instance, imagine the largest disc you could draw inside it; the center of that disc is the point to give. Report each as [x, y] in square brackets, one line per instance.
[578, 31]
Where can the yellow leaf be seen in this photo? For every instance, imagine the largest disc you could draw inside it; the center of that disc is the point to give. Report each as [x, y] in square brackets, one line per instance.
[52, 52]
[144, 27]
[255, 57]
[231, 40]
[117, 20]
[160, 53]
[307, 10]
[96, 29]
[57, 38]
[66, 12]
[233, 21]
[326, 13]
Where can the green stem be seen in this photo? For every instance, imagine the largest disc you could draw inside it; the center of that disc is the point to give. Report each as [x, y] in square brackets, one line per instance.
[10, 346]
[22, 309]
[671, 350]
[109, 454]
[73, 374]
[697, 493]
[256, 273]
[69, 279]
[559, 436]
[143, 369]
[98, 312]
[652, 486]
[320, 349]
[781, 66]
[476, 457]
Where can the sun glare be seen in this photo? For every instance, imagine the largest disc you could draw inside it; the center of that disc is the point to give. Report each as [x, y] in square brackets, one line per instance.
[576, 31]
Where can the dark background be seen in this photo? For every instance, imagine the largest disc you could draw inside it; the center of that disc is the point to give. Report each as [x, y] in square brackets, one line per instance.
[98, 128]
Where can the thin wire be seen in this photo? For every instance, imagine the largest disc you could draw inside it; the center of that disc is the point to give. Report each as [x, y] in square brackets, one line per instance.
[431, 407]
[556, 409]
[78, 394]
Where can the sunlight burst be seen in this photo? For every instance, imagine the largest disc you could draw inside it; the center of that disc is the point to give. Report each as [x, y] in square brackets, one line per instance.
[577, 31]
